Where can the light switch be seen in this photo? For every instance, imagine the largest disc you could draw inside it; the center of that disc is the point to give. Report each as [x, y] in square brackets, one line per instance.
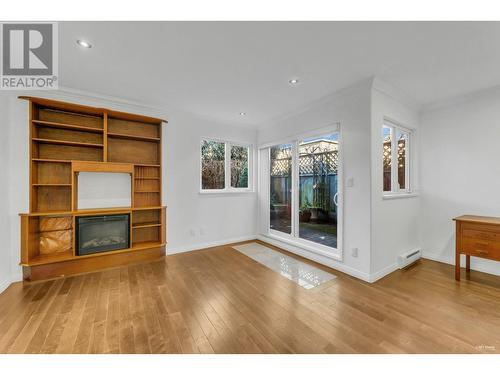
[350, 182]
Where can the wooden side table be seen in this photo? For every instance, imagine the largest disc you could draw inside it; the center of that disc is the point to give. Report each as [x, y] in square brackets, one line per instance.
[477, 236]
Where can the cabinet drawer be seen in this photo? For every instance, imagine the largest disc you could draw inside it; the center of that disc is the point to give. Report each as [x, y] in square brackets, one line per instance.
[481, 248]
[481, 234]
[487, 228]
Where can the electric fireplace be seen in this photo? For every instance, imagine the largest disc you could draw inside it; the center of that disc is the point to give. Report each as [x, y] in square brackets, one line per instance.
[95, 234]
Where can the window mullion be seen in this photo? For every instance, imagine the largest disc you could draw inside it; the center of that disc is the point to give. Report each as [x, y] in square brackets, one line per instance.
[408, 161]
[394, 161]
[295, 189]
[227, 168]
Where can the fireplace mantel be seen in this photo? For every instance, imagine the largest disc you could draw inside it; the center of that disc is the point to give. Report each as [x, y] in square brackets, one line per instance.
[96, 166]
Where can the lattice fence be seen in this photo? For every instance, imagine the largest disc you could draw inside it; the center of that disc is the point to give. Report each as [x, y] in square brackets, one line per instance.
[309, 164]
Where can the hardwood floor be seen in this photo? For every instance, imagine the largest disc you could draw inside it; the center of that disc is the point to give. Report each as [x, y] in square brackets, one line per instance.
[218, 300]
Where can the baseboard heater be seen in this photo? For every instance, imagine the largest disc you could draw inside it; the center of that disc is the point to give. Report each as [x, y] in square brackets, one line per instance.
[404, 260]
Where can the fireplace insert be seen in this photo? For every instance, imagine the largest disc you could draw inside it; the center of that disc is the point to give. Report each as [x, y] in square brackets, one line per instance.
[95, 234]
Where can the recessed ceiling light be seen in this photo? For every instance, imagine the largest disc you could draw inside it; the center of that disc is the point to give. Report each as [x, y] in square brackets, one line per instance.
[83, 43]
[293, 81]
[243, 114]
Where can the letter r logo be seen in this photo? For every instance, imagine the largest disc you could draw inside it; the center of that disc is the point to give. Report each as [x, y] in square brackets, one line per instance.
[27, 49]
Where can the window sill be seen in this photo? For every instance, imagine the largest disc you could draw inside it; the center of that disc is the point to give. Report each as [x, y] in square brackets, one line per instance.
[390, 196]
[223, 192]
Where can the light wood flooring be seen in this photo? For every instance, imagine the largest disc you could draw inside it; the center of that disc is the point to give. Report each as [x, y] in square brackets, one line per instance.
[218, 300]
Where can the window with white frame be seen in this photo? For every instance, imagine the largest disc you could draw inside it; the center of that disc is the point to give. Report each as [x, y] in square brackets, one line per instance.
[225, 166]
[396, 158]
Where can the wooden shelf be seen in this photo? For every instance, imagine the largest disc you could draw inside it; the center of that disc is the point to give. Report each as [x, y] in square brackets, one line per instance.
[58, 125]
[148, 165]
[146, 225]
[67, 143]
[49, 213]
[148, 208]
[98, 211]
[51, 160]
[133, 137]
[66, 139]
[68, 255]
[92, 211]
[146, 245]
[51, 258]
[67, 185]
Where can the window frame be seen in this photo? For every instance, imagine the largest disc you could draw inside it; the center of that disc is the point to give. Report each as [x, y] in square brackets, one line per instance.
[395, 127]
[227, 167]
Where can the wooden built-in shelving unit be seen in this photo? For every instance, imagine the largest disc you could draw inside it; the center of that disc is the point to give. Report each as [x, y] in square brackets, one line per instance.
[66, 139]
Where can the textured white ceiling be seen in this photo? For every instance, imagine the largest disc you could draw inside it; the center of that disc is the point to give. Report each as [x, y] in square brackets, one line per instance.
[219, 69]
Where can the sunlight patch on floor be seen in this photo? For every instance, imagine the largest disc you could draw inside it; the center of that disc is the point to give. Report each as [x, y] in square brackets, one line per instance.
[304, 274]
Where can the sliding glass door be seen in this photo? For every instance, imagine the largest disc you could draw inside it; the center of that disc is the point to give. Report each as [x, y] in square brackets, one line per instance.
[304, 192]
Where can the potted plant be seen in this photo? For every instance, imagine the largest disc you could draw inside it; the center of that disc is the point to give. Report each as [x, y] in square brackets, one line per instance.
[305, 212]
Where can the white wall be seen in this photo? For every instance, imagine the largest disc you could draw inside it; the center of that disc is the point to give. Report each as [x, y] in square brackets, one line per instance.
[350, 107]
[460, 171]
[200, 220]
[5, 253]
[213, 219]
[18, 176]
[395, 221]
[104, 190]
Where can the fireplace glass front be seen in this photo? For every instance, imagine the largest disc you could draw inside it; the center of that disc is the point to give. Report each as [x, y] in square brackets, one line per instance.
[95, 234]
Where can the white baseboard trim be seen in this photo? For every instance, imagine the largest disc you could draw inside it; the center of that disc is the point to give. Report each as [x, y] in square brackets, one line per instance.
[383, 272]
[6, 283]
[17, 277]
[481, 267]
[201, 246]
[316, 258]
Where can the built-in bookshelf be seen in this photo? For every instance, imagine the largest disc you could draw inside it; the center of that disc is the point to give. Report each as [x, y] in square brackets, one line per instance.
[63, 136]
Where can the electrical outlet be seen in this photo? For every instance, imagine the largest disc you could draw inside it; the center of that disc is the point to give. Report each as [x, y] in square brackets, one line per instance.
[192, 232]
[354, 252]
[203, 230]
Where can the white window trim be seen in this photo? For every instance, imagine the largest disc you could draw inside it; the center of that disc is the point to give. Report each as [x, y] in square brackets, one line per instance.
[396, 192]
[228, 189]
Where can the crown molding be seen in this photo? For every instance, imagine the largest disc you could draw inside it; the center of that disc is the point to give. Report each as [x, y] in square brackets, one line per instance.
[462, 98]
[116, 103]
[396, 94]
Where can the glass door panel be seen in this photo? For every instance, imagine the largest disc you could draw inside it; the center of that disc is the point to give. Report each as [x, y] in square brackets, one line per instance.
[318, 189]
[280, 214]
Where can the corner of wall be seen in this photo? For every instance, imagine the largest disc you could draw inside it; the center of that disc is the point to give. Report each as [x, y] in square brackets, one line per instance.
[394, 223]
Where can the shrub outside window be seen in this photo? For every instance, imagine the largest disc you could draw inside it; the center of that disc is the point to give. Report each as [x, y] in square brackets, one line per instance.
[225, 166]
[239, 166]
[212, 165]
[396, 158]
